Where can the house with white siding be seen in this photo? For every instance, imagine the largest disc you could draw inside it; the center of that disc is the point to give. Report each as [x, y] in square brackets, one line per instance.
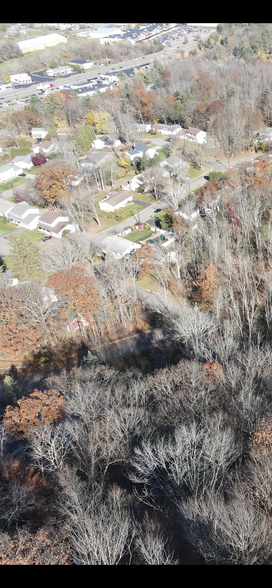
[54, 223]
[192, 134]
[8, 172]
[24, 215]
[115, 200]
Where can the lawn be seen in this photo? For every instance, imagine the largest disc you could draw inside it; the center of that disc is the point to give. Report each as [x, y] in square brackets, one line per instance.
[163, 153]
[193, 172]
[35, 236]
[138, 235]
[15, 182]
[110, 219]
[4, 226]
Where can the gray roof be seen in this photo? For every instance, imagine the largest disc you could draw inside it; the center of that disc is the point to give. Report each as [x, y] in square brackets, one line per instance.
[4, 168]
[115, 197]
[26, 158]
[96, 159]
[117, 245]
[19, 209]
[173, 162]
[5, 205]
[140, 147]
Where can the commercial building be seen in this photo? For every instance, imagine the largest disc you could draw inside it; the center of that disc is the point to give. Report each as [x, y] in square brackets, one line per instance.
[22, 78]
[42, 42]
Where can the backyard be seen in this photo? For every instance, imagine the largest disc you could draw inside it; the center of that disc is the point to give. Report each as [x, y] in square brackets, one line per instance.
[5, 227]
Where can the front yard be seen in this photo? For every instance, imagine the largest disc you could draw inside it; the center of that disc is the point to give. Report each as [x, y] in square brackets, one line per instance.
[138, 235]
[4, 226]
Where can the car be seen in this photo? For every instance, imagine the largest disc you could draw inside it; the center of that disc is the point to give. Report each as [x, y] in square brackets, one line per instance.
[157, 210]
[22, 174]
[46, 238]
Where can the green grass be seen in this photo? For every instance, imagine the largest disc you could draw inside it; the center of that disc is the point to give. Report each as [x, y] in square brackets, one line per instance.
[163, 153]
[138, 235]
[148, 198]
[35, 236]
[194, 173]
[4, 226]
[15, 182]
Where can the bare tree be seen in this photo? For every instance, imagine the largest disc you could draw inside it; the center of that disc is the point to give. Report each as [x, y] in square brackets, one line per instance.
[153, 545]
[48, 447]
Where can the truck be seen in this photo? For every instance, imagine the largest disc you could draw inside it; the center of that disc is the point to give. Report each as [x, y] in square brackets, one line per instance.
[44, 86]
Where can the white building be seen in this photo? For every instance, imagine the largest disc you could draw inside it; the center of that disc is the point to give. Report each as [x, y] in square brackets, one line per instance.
[42, 42]
[138, 151]
[54, 223]
[105, 142]
[38, 133]
[63, 70]
[22, 78]
[118, 246]
[115, 200]
[82, 63]
[5, 206]
[24, 215]
[167, 129]
[8, 172]
[23, 161]
[192, 134]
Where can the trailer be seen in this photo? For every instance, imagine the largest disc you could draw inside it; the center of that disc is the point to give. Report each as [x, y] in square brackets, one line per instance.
[44, 86]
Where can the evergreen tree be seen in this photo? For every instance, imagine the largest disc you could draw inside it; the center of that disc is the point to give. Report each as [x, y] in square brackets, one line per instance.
[84, 139]
[24, 259]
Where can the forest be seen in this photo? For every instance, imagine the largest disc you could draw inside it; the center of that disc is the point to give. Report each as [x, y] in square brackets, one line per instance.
[162, 455]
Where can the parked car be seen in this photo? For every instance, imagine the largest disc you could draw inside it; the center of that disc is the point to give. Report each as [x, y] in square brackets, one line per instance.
[157, 210]
[46, 238]
[22, 174]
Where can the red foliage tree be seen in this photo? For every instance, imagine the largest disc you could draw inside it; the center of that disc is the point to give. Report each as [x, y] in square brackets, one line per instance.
[38, 159]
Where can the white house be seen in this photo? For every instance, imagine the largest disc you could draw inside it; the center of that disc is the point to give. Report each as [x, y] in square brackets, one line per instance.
[22, 78]
[23, 161]
[105, 142]
[115, 200]
[24, 215]
[5, 206]
[133, 184]
[140, 127]
[54, 223]
[167, 129]
[118, 246]
[38, 133]
[138, 151]
[43, 147]
[193, 134]
[8, 172]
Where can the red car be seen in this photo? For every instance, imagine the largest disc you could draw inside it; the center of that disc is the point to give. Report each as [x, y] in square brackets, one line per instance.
[46, 238]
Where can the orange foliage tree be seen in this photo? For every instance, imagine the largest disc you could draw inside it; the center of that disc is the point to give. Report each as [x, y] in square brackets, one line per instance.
[208, 287]
[76, 288]
[34, 549]
[33, 410]
[143, 260]
[51, 180]
[143, 101]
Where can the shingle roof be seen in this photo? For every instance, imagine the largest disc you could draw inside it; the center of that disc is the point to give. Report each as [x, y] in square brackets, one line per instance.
[116, 197]
[49, 217]
[118, 245]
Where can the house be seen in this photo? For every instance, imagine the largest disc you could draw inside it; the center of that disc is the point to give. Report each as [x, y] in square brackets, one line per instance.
[23, 161]
[134, 183]
[81, 63]
[118, 246]
[24, 215]
[167, 129]
[63, 70]
[8, 172]
[264, 136]
[138, 151]
[5, 206]
[141, 127]
[44, 147]
[54, 223]
[105, 142]
[95, 160]
[172, 165]
[38, 133]
[193, 134]
[115, 200]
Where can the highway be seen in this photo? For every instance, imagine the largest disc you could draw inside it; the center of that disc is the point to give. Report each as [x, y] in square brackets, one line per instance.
[168, 52]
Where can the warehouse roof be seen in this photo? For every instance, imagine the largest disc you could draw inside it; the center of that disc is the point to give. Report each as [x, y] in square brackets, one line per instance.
[40, 40]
